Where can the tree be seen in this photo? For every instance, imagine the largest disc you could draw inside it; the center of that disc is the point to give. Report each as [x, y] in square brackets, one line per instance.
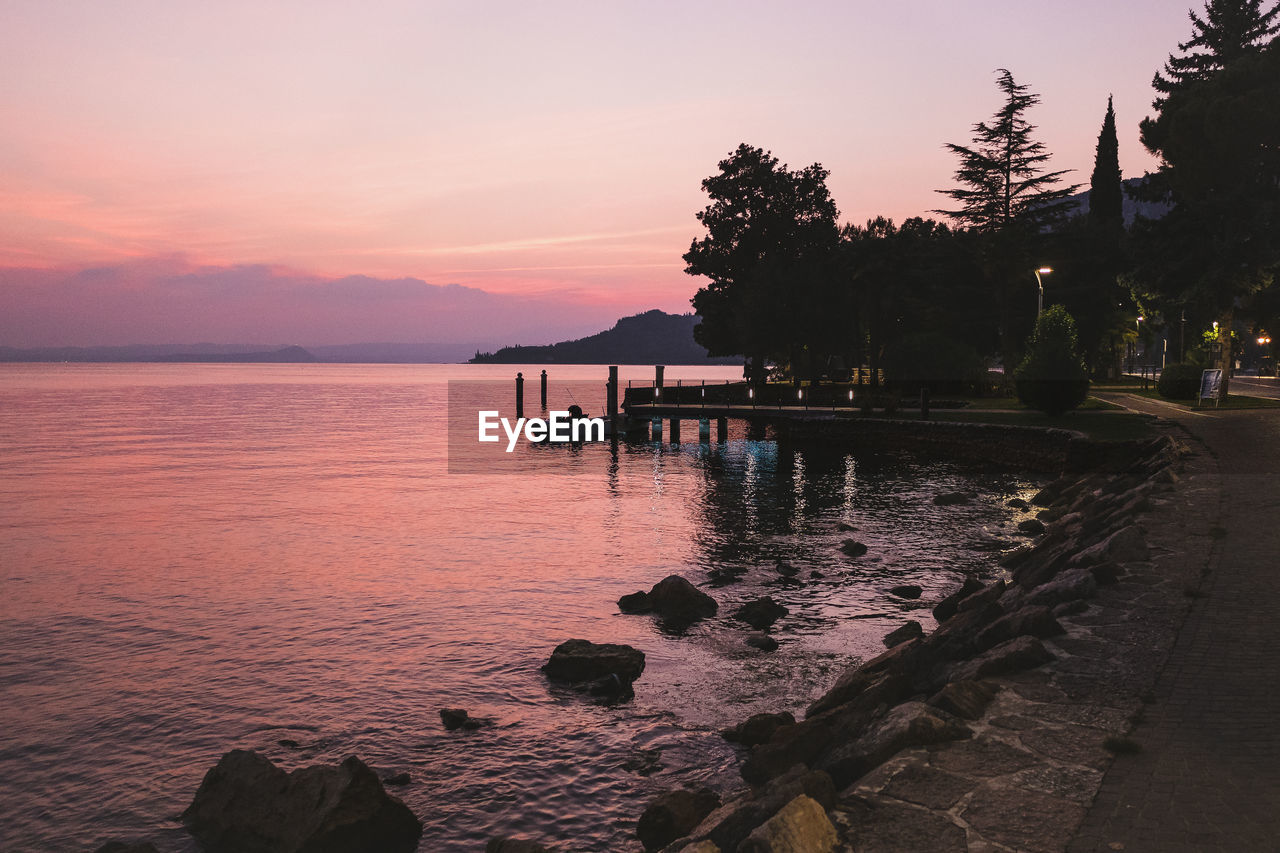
[769, 251]
[1053, 378]
[1229, 30]
[1106, 193]
[1217, 134]
[1006, 194]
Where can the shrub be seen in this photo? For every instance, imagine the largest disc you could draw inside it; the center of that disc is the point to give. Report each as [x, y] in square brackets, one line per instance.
[1053, 378]
[1179, 382]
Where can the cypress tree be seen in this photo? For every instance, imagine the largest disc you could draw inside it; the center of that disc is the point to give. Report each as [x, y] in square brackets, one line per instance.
[1229, 30]
[1106, 196]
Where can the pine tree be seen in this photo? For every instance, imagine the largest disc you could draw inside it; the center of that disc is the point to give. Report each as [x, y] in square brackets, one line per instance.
[1229, 30]
[1106, 195]
[1001, 175]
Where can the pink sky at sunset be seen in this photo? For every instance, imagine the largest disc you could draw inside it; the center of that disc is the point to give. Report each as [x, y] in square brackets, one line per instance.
[550, 151]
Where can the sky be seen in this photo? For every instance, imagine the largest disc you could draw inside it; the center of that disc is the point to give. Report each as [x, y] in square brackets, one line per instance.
[258, 172]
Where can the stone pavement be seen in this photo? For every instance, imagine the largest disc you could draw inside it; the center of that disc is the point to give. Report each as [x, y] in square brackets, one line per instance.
[1208, 776]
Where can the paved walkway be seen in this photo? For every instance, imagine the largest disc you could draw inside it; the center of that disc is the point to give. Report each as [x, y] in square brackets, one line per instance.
[1208, 777]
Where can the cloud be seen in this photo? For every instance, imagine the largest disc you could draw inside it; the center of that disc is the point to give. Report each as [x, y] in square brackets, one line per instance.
[168, 300]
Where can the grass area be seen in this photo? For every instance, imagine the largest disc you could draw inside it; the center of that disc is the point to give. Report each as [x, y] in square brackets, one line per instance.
[1098, 425]
[1012, 404]
[1233, 401]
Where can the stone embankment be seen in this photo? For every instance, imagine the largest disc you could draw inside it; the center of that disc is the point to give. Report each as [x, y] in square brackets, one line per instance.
[993, 731]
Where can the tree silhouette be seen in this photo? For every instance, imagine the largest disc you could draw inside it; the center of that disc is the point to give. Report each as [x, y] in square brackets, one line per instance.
[1002, 179]
[1229, 30]
[1106, 194]
[1007, 195]
[770, 244]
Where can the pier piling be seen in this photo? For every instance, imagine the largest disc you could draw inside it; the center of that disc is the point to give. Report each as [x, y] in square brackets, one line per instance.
[544, 390]
[519, 395]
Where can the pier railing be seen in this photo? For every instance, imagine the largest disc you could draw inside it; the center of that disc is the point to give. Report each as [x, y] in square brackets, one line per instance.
[697, 394]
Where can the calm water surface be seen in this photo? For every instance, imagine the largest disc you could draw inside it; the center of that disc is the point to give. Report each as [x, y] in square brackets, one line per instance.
[196, 558]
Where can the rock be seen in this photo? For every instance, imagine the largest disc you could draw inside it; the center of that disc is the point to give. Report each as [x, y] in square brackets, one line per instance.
[675, 599]
[950, 499]
[730, 824]
[1105, 573]
[1049, 494]
[1070, 608]
[397, 779]
[636, 602]
[910, 630]
[611, 686]
[845, 527]
[1012, 656]
[514, 845]
[1034, 526]
[758, 728]
[674, 814]
[800, 827]
[946, 608]
[1029, 621]
[1017, 503]
[122, 847]
[1068, 586]
[704, 846]
[457, 718]
[816, 575]
[248, 805]
[853, 548]
[966, 699]
[762, 641]
[787, 570]
[980, 599]
[908, 725]
[289, 743]
[1126, 545]
[582, 660]
[907, 590]
[760, 613]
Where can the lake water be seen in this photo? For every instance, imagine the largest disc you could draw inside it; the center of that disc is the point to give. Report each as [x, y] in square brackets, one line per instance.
[197, 558]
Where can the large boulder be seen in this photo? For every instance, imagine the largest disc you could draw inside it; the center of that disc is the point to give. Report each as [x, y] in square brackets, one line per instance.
[576, 661]
[801, 826]
[676, 600]
[674, 814]
[946, 608]
[248, 805]
[910, 630]
[1036, 621]
[760, 613]
[728, 826]
[909, 724]
[758, 728]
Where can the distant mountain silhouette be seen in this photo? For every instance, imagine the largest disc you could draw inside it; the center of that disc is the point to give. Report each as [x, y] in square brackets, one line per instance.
[654, 337]
[1132, 207]
[288, 355]
[235, 353]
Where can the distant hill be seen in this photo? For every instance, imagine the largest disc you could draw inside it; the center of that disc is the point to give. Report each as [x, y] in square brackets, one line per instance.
[654, 337]
[1132, 207]
[235, 353]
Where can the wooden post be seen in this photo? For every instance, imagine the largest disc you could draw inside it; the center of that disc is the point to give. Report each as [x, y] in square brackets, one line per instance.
[657, 380]
[704, 430]
[722, 430]
[611, 395]
[675, 430]
[519, 395]
[544, 390]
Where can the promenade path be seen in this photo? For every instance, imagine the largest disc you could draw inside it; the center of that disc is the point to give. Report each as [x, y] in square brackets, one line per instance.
[1208, 776]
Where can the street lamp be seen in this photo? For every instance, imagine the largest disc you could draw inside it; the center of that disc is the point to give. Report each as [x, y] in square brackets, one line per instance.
[1040, 284]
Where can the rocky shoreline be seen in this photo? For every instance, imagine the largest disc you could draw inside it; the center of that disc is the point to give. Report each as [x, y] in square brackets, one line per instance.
[992, 732]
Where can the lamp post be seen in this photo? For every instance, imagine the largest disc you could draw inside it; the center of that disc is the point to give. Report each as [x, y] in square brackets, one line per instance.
[1040, 284]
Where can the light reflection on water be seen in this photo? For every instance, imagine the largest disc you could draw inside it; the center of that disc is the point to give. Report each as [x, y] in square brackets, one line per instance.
[197, 558]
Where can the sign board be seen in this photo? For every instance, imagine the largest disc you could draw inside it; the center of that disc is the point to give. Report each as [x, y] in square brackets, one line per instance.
[1210, 382]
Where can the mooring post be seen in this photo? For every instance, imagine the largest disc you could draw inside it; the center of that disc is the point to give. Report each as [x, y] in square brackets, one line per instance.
[924, 404]
[657, 381]
[722, 430]
[611, 397]
[519, 395]
[675, 430]
[704, 431]
[544, 390]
